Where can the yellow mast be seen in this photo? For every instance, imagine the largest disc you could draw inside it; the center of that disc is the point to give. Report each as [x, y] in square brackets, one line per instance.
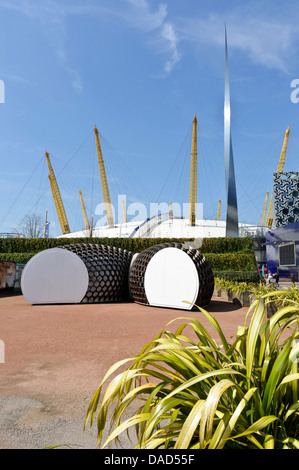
[219, 210]
[124, 212]
[264, 210]
[104, 183]
[170, 211]
[64, 225]
[280, 168]
[283, 151]
[193, 176]
[269, 220]
[53, 194]
[84, 211]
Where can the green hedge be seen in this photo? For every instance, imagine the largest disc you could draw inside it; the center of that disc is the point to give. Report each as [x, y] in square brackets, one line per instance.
[231, 262]
[210, 245]
[220, 262]
[238, 276]
[227, 245]
[16, 257]
[223, 254]
[34, 245]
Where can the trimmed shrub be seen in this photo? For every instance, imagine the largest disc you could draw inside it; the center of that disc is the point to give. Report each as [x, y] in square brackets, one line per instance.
[16, 257]
[34, 245]
[223, 254]
[238, 276]
[210, 245]
[227, 245]
[234, 262]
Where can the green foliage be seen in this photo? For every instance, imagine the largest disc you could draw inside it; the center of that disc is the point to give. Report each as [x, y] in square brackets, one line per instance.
[289, 296]
[223, 254]
[227, 245]
[238, 276]
[34, 245]
[194, 393]
[210, 245]
[231, 262]
[238, 287]
[16, 257]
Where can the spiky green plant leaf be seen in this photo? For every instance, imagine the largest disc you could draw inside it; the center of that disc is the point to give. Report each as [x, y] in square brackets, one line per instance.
[192, 392]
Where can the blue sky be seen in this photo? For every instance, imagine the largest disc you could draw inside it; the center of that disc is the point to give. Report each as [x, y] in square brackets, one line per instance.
[140, 70]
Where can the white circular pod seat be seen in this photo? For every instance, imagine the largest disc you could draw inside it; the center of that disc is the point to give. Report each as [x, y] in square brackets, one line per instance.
[171, 275]
[170, 279]
[54, 276]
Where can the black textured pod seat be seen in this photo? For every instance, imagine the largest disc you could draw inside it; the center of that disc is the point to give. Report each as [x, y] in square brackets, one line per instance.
[204, 281]
[108, 271]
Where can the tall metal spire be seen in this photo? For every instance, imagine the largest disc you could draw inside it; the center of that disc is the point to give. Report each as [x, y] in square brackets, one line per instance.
[232, 223]
[193, 176]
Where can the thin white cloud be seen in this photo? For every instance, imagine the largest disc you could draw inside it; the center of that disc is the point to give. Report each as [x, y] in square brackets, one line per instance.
[267, 41]
[163, 38]
[267, 38]
[52, 18]
[140, 15]
[169, 35]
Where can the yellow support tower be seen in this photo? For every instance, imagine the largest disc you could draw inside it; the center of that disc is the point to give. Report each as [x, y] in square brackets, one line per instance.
[53, 192]
[104, 183]
[64, 225]
[84, 211]
[170, 211]
[193, 176]
[283, 151]
[269, 221]
[280, 168]
[264, 210]
[219, 210]
[124, 212]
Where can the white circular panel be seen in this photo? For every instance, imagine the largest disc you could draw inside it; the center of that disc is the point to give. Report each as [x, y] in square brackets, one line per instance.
[170, 278]
[54, 276]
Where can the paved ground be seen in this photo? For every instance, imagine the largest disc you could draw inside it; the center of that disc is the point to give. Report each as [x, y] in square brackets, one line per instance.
[56, 356]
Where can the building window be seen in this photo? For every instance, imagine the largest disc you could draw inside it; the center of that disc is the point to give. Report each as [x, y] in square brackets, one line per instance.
[287, 255]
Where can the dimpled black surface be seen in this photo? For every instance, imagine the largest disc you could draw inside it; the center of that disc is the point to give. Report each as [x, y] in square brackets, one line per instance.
[204, 271]
[108, 271]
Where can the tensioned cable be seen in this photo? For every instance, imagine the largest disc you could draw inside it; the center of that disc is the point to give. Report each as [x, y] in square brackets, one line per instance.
[75, 153]
[106, 146]
[262, 162]
[59, 173]
[183, 189]
[206, 173]
[292, 160]
[92, 183]
[20, 214]
[175, 161]
[19, 194]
